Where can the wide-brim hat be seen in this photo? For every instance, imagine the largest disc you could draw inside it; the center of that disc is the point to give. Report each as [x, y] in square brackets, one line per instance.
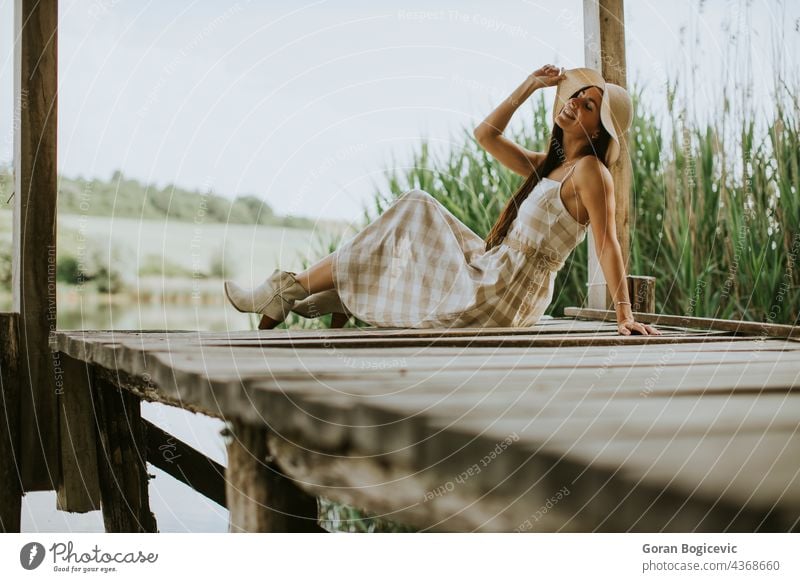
[616, 107]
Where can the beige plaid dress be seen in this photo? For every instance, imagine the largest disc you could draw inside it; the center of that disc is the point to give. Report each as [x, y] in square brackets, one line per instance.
[418, 266]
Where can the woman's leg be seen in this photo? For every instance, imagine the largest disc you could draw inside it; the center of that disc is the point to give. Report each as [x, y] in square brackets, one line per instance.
[318, 277]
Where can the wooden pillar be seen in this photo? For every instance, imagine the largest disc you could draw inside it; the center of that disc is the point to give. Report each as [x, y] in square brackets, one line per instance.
[604, 50]
[642, 291]
[260, 497]
[10, 486]
[34, 234]
[79, 486]
[122, 460]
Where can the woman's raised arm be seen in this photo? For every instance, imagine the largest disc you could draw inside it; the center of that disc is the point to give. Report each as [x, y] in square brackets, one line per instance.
[489, 132]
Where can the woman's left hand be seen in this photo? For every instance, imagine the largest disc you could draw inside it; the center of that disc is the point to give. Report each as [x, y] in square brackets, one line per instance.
[547, 76]
[630, 326]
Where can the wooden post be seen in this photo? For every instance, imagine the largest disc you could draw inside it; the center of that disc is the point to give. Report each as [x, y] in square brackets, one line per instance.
[604, 50]
[10, 487]
[34, 234]
[122, 461]
[642, 291]
[260, 497]
[79, 486]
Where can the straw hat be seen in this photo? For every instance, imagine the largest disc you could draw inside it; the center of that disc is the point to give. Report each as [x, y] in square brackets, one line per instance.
[616, 108]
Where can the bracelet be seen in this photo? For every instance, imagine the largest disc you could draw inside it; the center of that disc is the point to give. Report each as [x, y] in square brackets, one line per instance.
[619, 302]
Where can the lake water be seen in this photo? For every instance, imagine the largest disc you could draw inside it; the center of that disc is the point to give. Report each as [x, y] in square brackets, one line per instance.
[177, 507]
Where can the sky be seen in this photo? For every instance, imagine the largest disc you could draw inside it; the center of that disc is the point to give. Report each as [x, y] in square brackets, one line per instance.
[307, 104]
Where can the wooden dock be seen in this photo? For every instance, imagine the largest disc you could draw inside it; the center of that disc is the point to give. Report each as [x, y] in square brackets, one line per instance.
[566, 426]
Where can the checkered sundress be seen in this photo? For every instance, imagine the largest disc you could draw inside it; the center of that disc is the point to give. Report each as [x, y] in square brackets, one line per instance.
[417, 265]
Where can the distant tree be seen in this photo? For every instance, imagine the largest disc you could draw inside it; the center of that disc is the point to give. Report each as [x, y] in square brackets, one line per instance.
[126, 197]
[259, 211]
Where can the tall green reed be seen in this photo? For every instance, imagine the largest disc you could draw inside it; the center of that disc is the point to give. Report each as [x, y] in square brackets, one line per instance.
[715, 220]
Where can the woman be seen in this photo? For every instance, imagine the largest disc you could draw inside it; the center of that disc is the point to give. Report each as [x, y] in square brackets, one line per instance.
[417, 265]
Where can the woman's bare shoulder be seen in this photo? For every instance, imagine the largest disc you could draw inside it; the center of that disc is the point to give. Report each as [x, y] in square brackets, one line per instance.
[591, 173]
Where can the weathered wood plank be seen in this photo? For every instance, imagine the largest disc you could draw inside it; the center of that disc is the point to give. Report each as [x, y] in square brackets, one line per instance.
[104, 354]
[185, 464]
[753, 328]
[174, 339]
[79, 486]
[245, 363]
[10, 485]
[751, 469]
[143, 387]
[436, 413]
[244, 395]
[122, 460]
[592, 498]
[34, 234]
[494, 341]
[260, 497]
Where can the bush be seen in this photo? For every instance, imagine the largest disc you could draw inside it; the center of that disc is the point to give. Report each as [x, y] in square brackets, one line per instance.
[156, 265]
[68, 270]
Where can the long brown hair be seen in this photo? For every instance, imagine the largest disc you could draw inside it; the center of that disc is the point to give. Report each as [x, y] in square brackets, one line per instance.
[555, 157]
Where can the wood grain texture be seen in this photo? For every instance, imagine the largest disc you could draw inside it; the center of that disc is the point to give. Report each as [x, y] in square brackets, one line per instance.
[556, 494]
[761, 331]
[185, 463]
[34, 233]
[642, 291]
[260, 497]
[10, 485]
[390, 423]
[79, 486]
[122, 461]
[604, 51]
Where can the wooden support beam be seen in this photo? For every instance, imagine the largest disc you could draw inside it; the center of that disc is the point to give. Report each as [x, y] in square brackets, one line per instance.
[122, 460]
[604, 50]
[34, 234]
[261, 498]
[79, 486]
[185, 464]
[764, 330]
[10, 486]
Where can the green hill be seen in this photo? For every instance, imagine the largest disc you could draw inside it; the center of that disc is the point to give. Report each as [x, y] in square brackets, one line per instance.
[128, 198]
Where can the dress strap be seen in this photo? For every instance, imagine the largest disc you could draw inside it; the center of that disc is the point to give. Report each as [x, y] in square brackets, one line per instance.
[572, 167]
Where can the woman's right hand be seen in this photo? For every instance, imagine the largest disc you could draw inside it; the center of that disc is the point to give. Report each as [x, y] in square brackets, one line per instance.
[547, 76]
[628, 326]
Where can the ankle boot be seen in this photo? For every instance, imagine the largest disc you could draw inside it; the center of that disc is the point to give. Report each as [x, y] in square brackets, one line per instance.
[321, 303]
[273, 298]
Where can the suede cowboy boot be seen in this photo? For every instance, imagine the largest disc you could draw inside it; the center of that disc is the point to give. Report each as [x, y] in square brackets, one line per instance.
[319, 304]
[273, 298]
